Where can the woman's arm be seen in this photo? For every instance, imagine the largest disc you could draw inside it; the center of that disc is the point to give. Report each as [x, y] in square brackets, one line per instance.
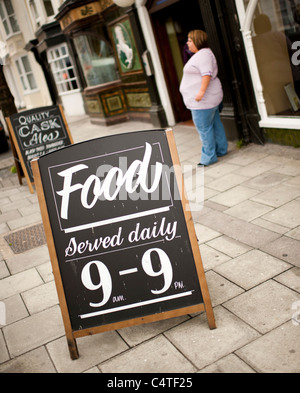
[204, 85]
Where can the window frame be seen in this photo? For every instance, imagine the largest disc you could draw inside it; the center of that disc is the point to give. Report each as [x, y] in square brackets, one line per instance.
[246, 16]
[54, 60]
[7, 18]
[25, 74]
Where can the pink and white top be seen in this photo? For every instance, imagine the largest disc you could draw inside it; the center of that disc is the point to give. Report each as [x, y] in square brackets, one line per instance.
[202, 63]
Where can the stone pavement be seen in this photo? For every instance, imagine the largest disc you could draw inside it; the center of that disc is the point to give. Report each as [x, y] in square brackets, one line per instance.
[249, 238]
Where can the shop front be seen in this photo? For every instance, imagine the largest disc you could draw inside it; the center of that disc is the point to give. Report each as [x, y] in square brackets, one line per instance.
[169, 21]
[108, 52]
[271, 32]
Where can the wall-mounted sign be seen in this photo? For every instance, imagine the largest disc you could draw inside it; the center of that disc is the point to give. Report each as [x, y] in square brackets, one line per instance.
[125, 47]
[122, 245]
[34, 133]
[82, 12]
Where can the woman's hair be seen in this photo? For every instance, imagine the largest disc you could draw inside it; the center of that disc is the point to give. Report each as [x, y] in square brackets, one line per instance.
[199, 38]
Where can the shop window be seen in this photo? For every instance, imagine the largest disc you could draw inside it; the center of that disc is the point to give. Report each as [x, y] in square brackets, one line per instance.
[276, 42]
[62, 68]
[8, 17]
[96, 59]
[26, 74]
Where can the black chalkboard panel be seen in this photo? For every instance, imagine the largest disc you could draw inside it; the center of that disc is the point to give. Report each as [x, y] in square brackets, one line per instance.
[120, 235]
[37, 132]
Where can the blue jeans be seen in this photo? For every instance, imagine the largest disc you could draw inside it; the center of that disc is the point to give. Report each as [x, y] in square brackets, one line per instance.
[212, 134]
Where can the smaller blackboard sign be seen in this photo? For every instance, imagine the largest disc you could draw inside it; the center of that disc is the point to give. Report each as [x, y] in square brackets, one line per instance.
[120, 235]
[34, 133]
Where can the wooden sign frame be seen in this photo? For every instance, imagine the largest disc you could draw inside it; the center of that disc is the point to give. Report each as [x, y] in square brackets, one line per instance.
[21, 165]
[72, 334]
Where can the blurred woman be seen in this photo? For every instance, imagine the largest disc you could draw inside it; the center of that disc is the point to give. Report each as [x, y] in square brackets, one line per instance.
[202, 93]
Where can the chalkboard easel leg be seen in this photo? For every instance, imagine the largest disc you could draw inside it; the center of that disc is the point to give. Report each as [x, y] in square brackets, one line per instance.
[74, 354]
[211, 318]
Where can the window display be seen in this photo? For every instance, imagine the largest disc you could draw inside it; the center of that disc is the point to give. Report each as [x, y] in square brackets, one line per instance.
[276, 43]
[96, 59]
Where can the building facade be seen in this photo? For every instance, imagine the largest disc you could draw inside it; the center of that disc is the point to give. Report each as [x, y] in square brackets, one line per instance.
[23, 74]
[108, 50]
[117, 60]
[256, 43]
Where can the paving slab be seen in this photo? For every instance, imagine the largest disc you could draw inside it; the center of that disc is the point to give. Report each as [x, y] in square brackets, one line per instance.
[264, 307]
[211, 257]
[203, 346]
[278, 195]
[229, 364]
[18, 283]
[291, 279]
[226, 182]
[220, 289]
[234, 196]
[276, 352]
[36, 361]
[238, 229]
[92, 351]
[40, 298]
[284, 248]
[252, 268]
[287, 215]
[266, 180]
[248, 210]
[134, 335]
[28, 259]
[229, 246]
[155, 356]
[34, 331]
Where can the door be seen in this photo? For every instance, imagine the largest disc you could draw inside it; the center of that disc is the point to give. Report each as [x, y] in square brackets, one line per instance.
[171, 26]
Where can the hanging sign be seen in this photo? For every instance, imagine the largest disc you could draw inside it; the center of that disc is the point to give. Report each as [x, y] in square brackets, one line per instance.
[34, 133]
[122, 244]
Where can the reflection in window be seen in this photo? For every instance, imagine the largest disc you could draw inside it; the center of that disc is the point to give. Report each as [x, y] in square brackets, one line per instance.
[276, 41]
[96, 59]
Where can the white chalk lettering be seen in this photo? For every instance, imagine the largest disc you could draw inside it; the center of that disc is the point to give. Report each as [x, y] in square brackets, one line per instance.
[111, 185]
[104, 242]
[167, 231]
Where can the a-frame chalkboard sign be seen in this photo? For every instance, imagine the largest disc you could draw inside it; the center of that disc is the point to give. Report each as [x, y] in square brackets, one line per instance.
[120, 236]
[34, 133]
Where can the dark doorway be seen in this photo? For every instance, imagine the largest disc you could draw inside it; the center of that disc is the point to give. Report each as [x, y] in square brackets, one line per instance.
[171, 26]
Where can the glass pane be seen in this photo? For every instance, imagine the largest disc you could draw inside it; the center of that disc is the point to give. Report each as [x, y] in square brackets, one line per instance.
[74, 84]
[26, 64]
[1, 12]
[5, 24]
[48, 7]
[9, 7]
[31, 81]
[97, 62]
[14, 24]
[24, 83]
[18, 67]
[276, 41]
[62, 68]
